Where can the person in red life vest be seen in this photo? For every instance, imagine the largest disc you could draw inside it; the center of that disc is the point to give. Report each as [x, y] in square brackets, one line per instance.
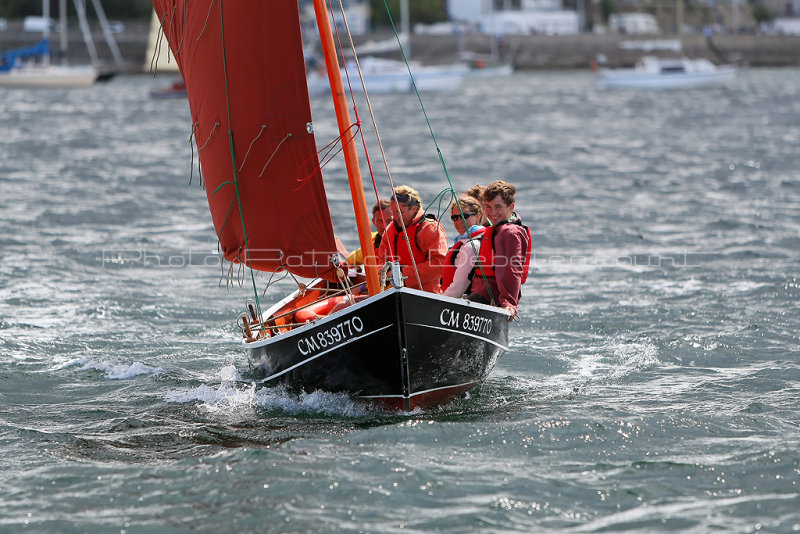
[381, 217]
[423, 235]
[505, 252]
[459, 264]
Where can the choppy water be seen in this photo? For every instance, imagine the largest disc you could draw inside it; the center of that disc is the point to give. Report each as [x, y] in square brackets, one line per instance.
[653, 383]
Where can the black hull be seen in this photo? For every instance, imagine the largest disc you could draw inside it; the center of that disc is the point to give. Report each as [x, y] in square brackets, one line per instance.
[403, 348]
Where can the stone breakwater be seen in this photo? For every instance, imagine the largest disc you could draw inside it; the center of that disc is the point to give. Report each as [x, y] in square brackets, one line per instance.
[578, 51]
[527, 52]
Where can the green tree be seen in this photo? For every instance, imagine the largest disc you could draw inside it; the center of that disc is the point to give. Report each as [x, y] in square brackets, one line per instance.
[420, 11]
[760, 13]
[608, 8]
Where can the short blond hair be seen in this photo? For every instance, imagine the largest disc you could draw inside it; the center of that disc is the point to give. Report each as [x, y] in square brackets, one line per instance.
[408, 192]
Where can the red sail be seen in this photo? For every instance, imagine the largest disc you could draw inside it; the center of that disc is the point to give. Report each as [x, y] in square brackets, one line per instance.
[242, 61]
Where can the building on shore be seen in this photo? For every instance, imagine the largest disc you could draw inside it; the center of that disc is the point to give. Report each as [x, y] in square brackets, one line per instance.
[521, 17]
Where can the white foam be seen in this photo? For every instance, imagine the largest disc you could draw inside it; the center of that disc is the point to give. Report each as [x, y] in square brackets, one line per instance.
[218, 397]
[70, 363]
[114, 371]
[124, 372]
[231, 393]
[315, 402]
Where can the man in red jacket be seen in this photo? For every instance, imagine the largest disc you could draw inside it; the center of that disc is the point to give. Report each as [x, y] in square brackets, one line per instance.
[505, 252]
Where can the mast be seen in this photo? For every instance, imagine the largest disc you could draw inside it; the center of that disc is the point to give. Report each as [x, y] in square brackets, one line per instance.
[405, 22]
[350, 156]
[80, 7]
[112, 43]
[62, 26]
[46, 30]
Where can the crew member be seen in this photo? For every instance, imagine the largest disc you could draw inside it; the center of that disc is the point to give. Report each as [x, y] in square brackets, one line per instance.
[505, 251]
[413, 234]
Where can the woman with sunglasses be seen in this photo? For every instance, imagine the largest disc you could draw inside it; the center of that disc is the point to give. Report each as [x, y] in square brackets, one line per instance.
[459, 263]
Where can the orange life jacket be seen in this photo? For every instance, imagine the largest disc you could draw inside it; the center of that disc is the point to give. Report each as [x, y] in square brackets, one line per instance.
[449, 264]
[400, 249]
[486, 253]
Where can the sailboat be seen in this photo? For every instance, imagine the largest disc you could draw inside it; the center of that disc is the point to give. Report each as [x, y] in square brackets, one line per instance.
[31, 66]
[383, 75]
[652, 72]
[404, 349]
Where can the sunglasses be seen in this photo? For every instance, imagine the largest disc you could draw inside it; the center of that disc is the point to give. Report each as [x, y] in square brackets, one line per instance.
[456, 217]
[403, 198]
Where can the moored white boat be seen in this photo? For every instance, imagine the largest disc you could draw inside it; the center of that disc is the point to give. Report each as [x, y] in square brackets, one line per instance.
[31, 66]
[479, 70]
[658, 73]
[391, 76]
[50, 76]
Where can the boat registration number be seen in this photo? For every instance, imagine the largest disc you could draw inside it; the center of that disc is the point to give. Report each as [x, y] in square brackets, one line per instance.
[331, 336]
[470, 323]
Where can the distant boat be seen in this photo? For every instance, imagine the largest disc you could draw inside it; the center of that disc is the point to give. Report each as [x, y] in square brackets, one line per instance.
[382, 75]
[30, 66]
[391, 76]
[652, 72]
[25, 71]
[490, 65]
[484, 69]
[176, 89]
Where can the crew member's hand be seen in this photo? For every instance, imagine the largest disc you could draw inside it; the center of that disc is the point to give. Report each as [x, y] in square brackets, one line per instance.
[512, 311]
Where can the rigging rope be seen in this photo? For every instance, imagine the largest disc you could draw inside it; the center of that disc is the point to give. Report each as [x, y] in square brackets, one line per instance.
[233, 156]
[377, 135]
[435, 142]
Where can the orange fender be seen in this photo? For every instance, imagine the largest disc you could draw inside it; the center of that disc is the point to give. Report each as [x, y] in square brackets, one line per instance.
[318, 310]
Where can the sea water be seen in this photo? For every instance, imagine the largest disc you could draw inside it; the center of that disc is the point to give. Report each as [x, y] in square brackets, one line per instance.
[652, 382]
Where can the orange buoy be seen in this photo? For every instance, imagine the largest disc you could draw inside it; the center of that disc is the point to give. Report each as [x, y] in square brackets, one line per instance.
[318, 310]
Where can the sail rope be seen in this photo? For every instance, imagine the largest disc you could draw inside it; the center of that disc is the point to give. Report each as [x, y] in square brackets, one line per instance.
[183, 33]
[244, 159]
[264, 168]
[375, 128]
[233, 157]
[369, 108]
[216, 125]
[328, 153]
[436, 144]
[157, 47]
[191, 161]
[208, 16]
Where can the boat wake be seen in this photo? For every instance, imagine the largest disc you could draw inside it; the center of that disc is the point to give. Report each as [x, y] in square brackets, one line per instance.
[234, 392]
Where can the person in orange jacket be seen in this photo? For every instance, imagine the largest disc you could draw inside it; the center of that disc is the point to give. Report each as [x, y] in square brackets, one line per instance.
[413, 234]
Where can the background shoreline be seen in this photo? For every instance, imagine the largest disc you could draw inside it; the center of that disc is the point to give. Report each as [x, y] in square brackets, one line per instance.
[528, 52]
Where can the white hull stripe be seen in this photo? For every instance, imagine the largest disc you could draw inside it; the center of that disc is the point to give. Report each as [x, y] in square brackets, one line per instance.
[312, 358]
[495, 343]
[469, 384]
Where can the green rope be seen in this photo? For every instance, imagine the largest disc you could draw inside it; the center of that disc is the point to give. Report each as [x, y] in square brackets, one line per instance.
[436, 143]
[233, 158]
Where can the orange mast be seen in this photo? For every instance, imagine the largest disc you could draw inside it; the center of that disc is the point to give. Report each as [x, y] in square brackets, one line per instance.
[350, 156]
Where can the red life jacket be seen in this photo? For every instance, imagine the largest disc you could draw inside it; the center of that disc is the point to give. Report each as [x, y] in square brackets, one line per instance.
[486, 254]
[449, 264]
[400, 249]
